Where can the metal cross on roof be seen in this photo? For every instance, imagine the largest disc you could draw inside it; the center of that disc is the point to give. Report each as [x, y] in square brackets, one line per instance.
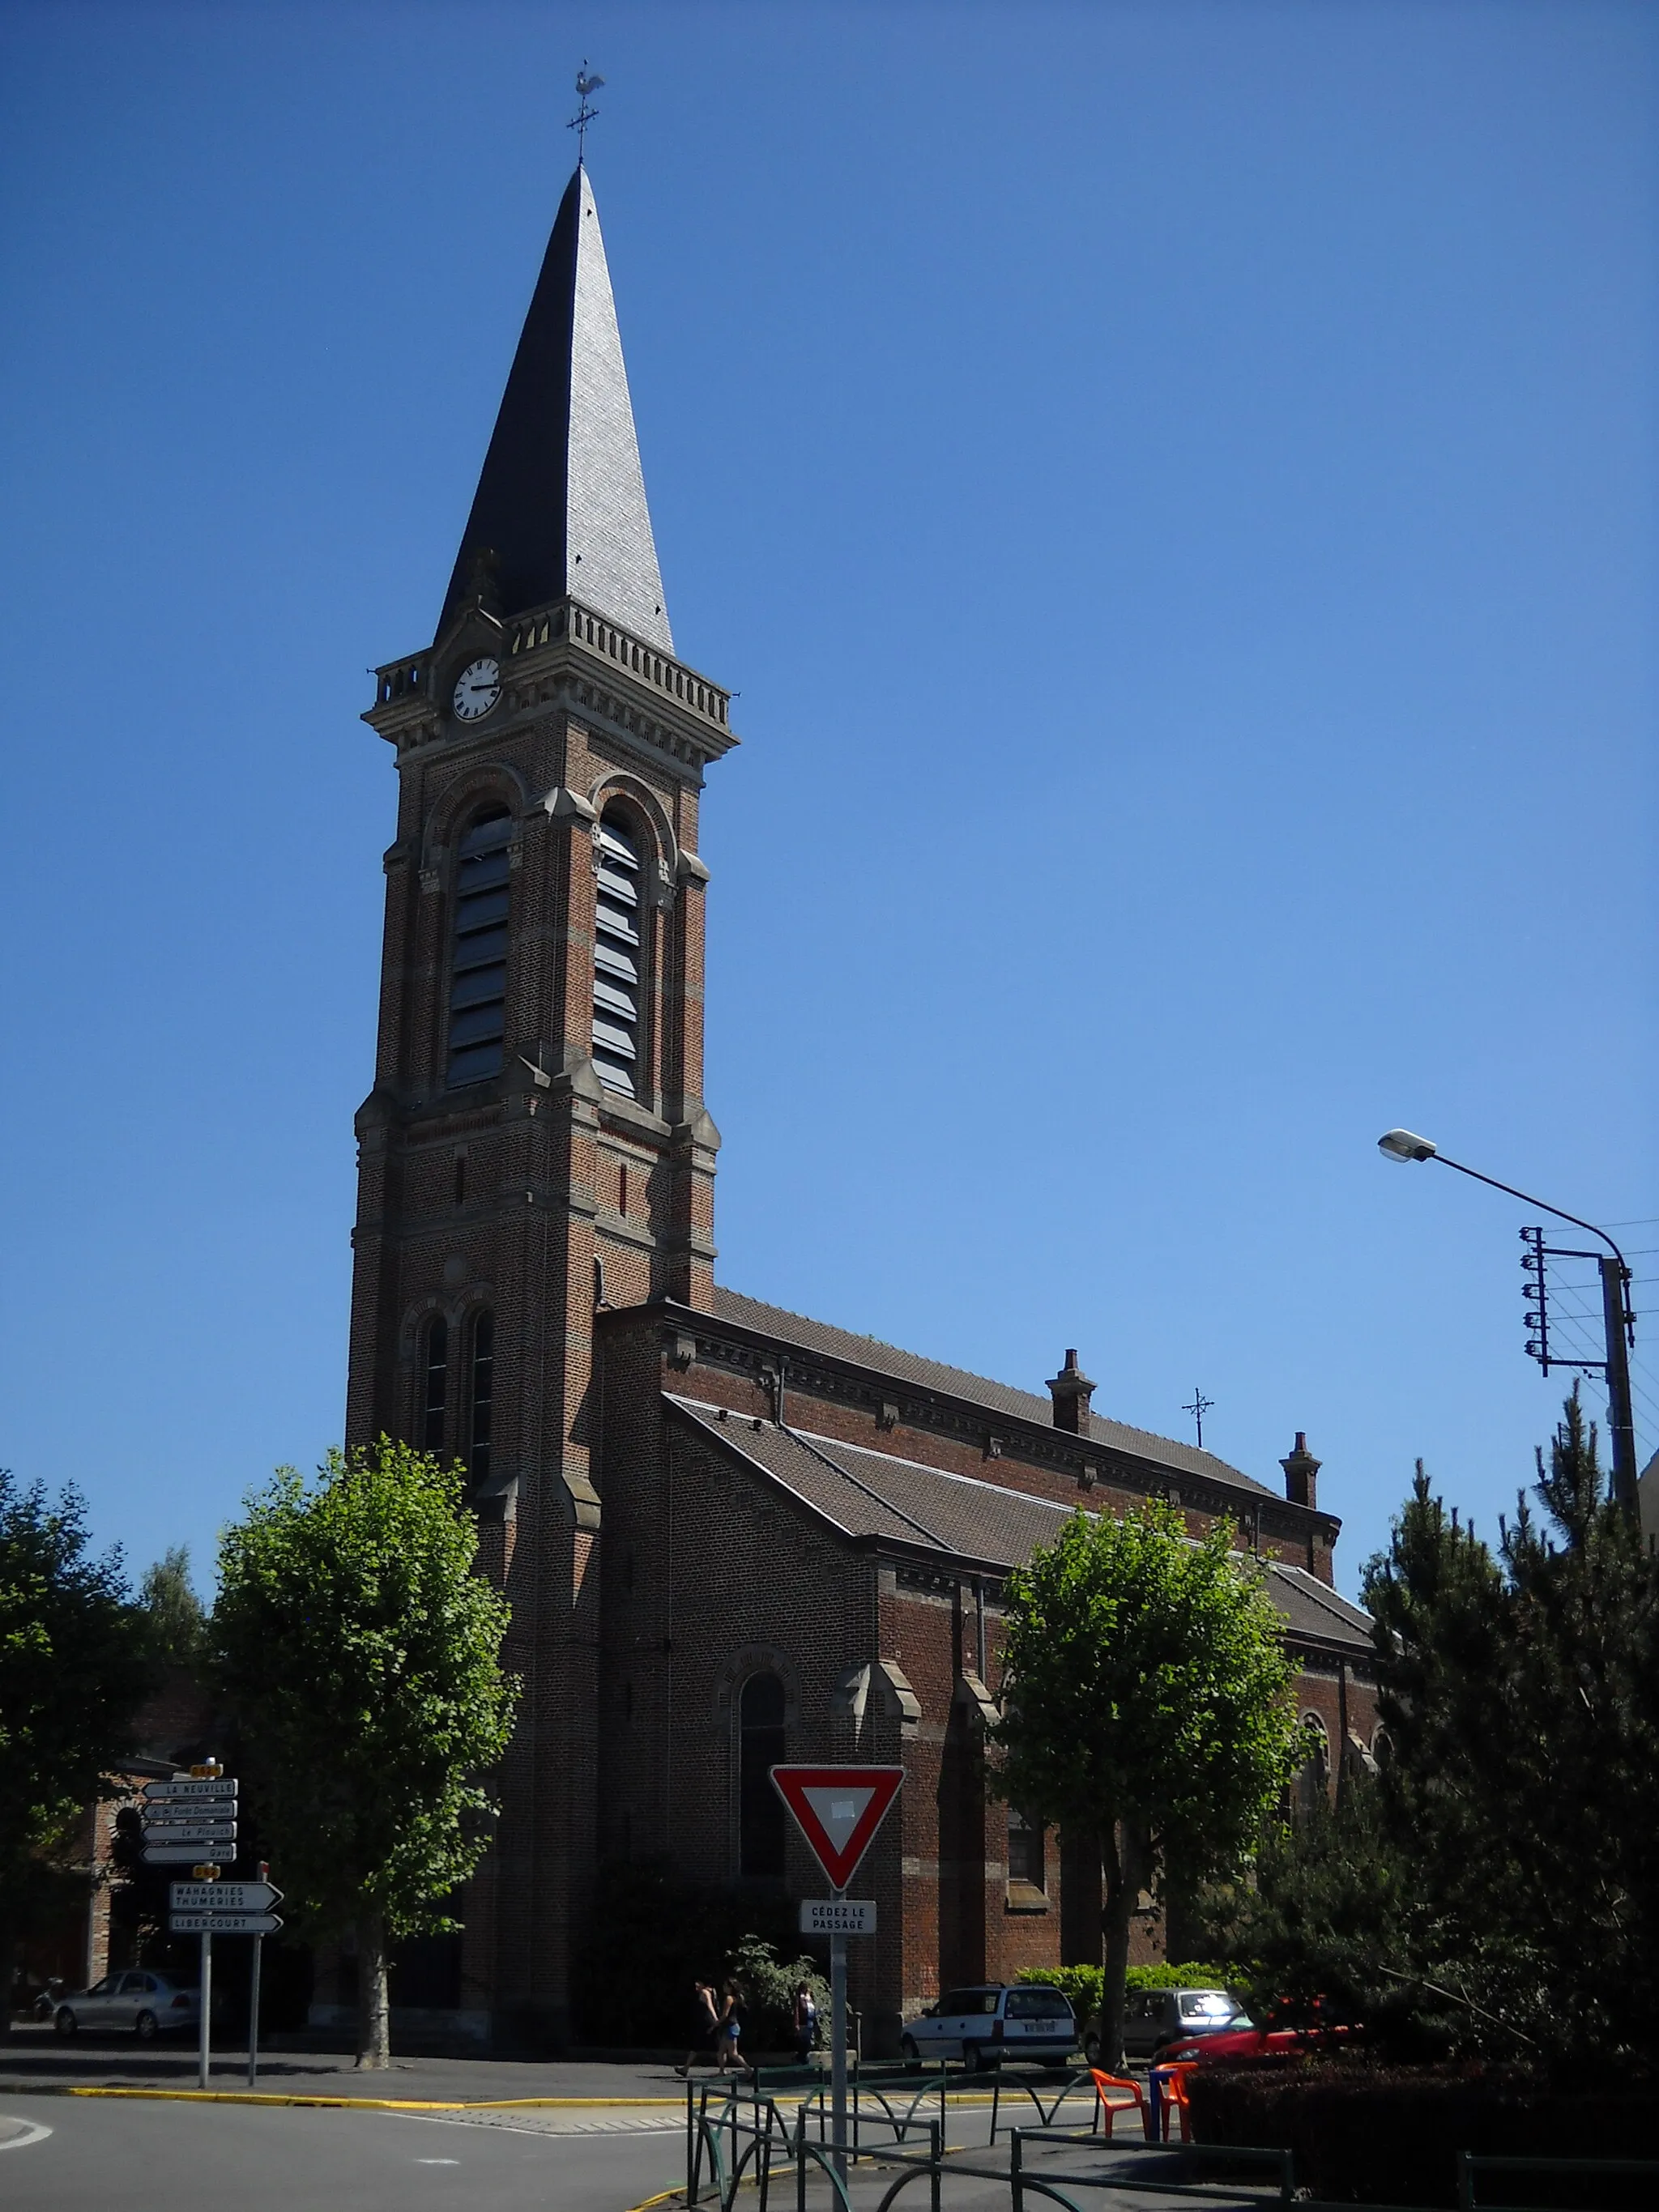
[578, 122]
[1200, 1405]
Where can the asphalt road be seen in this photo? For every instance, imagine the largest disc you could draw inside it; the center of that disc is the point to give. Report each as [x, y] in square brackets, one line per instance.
[107, 2154]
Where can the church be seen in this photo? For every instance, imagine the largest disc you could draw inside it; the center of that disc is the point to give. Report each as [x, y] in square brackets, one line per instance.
[729, 1534]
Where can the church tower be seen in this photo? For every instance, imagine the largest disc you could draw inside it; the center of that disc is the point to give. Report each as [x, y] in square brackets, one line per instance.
[535, 1148]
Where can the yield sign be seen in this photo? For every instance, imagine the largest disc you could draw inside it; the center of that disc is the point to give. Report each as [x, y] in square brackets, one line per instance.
[838, 1810]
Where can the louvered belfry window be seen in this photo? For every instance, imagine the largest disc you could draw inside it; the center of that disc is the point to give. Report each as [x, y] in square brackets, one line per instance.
[618, 953]
[436, 1393]
[482, 1394]
[477, 987]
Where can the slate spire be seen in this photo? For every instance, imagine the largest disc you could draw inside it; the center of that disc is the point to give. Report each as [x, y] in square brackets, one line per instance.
[560, 502]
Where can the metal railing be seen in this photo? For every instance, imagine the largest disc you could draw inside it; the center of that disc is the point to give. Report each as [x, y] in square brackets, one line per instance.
[1470, 2164]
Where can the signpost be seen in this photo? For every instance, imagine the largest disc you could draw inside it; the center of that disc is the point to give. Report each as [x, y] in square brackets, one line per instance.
[230, 1908]
[191, 1821]
[838, 1810]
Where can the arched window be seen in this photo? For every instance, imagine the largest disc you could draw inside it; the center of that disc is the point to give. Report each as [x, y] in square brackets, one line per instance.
[477, 983]
[618, 956]
[481, 1394]
[1025, 1853]
[435, 1384]
[1311, 1783]
[760, 1808]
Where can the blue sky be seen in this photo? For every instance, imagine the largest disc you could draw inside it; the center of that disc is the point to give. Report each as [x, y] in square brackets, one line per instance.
[1173, 486]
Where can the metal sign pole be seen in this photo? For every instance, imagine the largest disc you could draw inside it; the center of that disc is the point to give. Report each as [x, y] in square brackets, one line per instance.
[838, 2051]
[207, 2008]
[253, 1995]
[253, 2015]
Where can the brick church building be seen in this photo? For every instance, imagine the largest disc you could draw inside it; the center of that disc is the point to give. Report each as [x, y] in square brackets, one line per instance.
[729, 1534]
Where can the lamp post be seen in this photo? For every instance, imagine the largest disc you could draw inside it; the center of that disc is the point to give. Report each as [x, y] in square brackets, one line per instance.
[1618, 1322]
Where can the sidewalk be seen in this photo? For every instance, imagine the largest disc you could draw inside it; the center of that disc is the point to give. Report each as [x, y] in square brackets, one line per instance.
[33, 2060]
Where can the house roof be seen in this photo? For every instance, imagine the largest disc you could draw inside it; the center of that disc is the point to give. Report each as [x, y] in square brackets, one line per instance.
[909, 1367]
[869, 1495]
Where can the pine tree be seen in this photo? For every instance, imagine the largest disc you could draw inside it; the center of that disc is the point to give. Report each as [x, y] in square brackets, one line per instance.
[1500, 1892]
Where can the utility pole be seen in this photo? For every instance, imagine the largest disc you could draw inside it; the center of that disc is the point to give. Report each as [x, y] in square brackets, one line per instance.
[1618, 1320]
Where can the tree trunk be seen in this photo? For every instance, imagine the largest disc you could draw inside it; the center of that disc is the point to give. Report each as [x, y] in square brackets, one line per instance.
[1124, 1859]
[374, 2016]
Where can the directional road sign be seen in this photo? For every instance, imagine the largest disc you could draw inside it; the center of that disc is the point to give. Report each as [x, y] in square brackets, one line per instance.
[838, 1810]
[222, 1896]
[223, 1924]
[189, 1809]
[189, 1854]
[837, 1916]
[220, 1786]
[199, 1831]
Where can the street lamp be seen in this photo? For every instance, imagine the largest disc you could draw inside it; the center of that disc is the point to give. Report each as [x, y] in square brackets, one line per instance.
[1619, 1322]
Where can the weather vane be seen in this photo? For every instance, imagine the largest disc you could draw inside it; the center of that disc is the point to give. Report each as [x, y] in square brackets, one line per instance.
[1200, 1405]
[585, 82]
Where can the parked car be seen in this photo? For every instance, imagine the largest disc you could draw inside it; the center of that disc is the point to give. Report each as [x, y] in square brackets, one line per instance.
[997, 2021]
[150, 2004]
[1258, 2042]
[1154, 2019]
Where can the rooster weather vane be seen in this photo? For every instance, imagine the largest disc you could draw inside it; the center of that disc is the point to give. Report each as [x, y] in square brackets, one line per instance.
[585, 82]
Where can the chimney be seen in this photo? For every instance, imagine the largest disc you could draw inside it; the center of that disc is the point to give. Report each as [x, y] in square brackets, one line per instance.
[1300, 1468]
[1070, 1390]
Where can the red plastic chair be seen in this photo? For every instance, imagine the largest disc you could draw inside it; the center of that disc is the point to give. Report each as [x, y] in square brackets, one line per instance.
[1129, 2102]
[1172, 2087]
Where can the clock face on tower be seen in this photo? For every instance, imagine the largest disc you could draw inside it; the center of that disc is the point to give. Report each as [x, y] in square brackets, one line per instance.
[478, 688]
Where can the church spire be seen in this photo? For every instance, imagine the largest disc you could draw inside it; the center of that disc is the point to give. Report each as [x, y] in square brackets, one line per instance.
[560, 505]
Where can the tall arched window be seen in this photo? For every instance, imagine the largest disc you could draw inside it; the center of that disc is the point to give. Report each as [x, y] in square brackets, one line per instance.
[477, 982]
[1313, 1780]
[481, 1394]
[760, 1808]
[618, 956]
[435, 1384]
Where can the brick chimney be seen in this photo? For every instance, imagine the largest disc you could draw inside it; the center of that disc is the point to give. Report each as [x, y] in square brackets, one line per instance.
[1070, 1390]
[1300, 1469]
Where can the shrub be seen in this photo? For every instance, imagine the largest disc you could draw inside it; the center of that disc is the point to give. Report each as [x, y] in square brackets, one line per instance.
[1371, 2134]
[769, 1983]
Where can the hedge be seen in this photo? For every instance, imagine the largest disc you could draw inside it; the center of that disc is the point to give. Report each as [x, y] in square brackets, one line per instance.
[1366, 2133]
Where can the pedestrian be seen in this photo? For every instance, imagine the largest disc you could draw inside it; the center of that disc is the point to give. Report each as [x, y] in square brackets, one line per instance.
[806, 2022]
[705, 2026]
[731, 2027]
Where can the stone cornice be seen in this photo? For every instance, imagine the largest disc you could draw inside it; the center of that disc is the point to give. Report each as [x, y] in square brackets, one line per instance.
[565, 654]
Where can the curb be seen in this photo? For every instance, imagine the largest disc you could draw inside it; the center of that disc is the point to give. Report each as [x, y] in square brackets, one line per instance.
[358, 2104]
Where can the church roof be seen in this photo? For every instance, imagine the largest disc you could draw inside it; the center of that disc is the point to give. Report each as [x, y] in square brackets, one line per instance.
[876, 1495]
[561, 501]
[909, 1367]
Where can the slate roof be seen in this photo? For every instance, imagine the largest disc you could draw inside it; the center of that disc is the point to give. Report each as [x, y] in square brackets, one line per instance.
[561, 500]
[909, 1367]
[868, 1494]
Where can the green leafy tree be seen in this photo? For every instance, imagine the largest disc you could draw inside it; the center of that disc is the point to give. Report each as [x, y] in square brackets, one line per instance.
[73, 1673]
[1145, 1694]
[175, 1614]
[362, 1653]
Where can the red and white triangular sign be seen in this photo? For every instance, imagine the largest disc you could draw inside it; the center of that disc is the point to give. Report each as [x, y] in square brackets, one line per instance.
[838, 1810]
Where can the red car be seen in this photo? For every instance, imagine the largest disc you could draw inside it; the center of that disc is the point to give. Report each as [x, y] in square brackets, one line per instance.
[1254, 2043]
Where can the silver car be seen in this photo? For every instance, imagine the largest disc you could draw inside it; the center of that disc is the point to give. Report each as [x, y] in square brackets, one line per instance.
[997, 2021]
[1153, 2017]
[149, 2004]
